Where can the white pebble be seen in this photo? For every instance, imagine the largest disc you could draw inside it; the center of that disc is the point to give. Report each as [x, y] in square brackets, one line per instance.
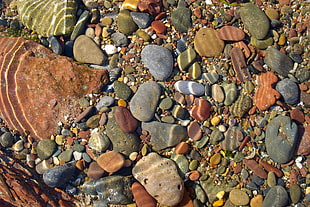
[77, 155]
[110, 49]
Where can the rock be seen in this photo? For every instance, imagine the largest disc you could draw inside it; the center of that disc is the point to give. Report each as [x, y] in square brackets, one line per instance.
[66, 155]
[46, 25]
[55, 45]
[276, 197]
[253, 165]
[242, 105]
[158, 60]
[271, 179]
[262, 44]
[230, 33]
[160, 178]
[105, 101]
[164, 135]
[141, 196]
[239, 197]
[119, 39]
[186, 58]
[122, 90]
[289, 91]
[93, 121]
[141, 19]
[281, 132]
[6, 139]
[190, 87]
[151, 7]
[240, 65]
[217, 93]
[58, 176]
[233, 138]
[255, 20]
[125, 23]
[80, 25]
[201, 109]
[195, 71]
[122, 142]
[99, 141]
[230, 91]
[110, 49]
[78, 147]
[166, 103]
[159, 27]
[295, 193]
[85, 50]
[111, 161]
[143, 104]
[45, 148]
[278, 62]
[256, 201]
[182, 164]
[182, 148]
[181, 19]
[194, 131]
[303, 148]
[207, 44]
[125, 120]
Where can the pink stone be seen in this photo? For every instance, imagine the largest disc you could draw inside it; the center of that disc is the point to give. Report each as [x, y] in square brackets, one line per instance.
[125, 120]
[230, 33]
[201, 109]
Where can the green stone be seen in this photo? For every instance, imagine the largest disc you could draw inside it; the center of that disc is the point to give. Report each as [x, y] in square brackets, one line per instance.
[122, 90]
[186, 58]
[66, 156]
[93, 121]
[295, 193]
[182, 163]
[166, 103]
[179, 112]
[195, 71]
[125, 23]
[271, 179]
[261, 44]
[46, 148]
[193, 165]
[168, 119]
[181, 19]
[143, 35]
[78, 148]
[6, 139]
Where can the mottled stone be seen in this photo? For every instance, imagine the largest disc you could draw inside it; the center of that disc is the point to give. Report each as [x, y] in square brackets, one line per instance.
[6, 139]
[164, 135]
[190, 87]
[58, 176]
[233, 138]
[195, 71]
[295, 193]
[253, 165]
[99, 141]
[45, 148]
[230, 90]
[160, 178]
[111, 161]
[141, 19]
[217, 93]
[239, 197]
[194, 131]
[186, 58]
[79, 27]
[303, 148]
[181, 19]
[276, 196]
[242, 105]
[289, 91]
[66, 155]
[261, 44]
[182, 164]
[122, 90]
[125, 23]
[207, 44]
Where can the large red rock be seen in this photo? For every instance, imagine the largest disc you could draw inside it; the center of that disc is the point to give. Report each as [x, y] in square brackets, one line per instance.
[39, 88]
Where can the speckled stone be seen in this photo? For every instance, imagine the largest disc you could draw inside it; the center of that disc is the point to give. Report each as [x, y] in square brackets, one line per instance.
[181, 19]
[289, 91]
[66, 155]
[125, 23]
[239, 197]
[58, 176]
[276, 196]
[207, 44]
[99, 141]
[45, 148]
[122, 90]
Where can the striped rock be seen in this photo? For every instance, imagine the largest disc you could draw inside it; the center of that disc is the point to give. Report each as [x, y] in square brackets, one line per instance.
[141, 196]
[48, 17]
[39, 88]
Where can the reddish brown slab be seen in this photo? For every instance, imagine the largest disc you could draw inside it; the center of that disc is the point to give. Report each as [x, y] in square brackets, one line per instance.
[239, 65]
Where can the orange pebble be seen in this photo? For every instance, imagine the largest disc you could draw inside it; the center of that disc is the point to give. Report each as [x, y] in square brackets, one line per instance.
[122, 103]
[159, 27]
[182, 148]
[194, 175]
[142, 197]
[111, 161]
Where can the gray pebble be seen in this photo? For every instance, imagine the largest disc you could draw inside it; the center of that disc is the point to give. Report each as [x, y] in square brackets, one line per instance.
[80, 25]
[190, 87]
[278, 61]
[58, 176]
[55, 45]
[105, 101]
[122, 90]
[6, 139]
[289, 90]
[141, 19]
[276, 197]
[46, 148]
[181, 19]
[182, 164]
[119, 39]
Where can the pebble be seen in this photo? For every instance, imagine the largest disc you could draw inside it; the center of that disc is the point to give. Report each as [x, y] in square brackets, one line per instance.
[255, 20]
[110, 49]
[262, 44]
[276, 196]
[230, 91]
[207, 44]
[241, 106]
[186, 58]
[125, 120]
[182, 163]
[215, 159]
[141, 196]
[230, 33]
[58, 176]
[201, 109]
[281, 132]
[45, 148]
[93, 121]
[189, 88]
[194, 131]
[271, 179]
[6, 139]
[278, 62]
[105, 101]
[158, 60]
[166, 103]
[125, 23]
[164, 135]
[66, 155]
[259, 172]
[85, 50]
[303, 148]
[233, 138]
[54, 45]
[141, 19]
[80, 25]
[144, 102]
[239, 197]
[119, 39]
[159, 27]
[195, 71]
[295, 193]
[42, 166]
[182, 148]
[122, 91]
[289, 91]
[99, 141]
[160, 177]
[256, 201]
[217, 93]
[181, 19]
[95, 171]
[111, 161]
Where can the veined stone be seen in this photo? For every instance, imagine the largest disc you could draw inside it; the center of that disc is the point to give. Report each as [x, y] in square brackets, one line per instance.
[48, 17]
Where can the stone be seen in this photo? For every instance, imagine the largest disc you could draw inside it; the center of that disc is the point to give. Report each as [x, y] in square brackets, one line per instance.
[80, 25]
[164, 135]
[85, 50]
[281, 132]
[158, 60]
[125, 23]
[141, 19]
[55, 45]
[303, 148]
[46, 148]
[166, 103]
[289, 91]
[233, 138]
[159, 27]
[66, 155]
[201, 109]
[99, 141]
[182, 164]
[261, 44]
[119, 39]
[230, 91]
[125, 120]
[255, 20]
[278, 62]
[230, 33]
[122, 90]
[195, 71]
[276, 196]
[122, 142]
[217, 93]
[295, 193]
[58, 176]
[186, 58]
[59, 81]
[207, 44]
[182, 148]
[144, 102]
[111, 161]
[110, 49]
[239, 197]
[149, 6]
[105, 101]
[6, 139]
[194, 131]
[181, 19]
[60, 20]
[240, 65]
[160, 178]
[271, 168]
[271, 179]
[93, 121]
[141, 196]
[242, 105]
[253, 165]
[256, 201]
[189, 87]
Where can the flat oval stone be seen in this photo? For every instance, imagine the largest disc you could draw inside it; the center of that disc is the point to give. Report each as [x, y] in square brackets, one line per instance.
[194, 131]
[125, 22]
[207, 44]
[190, 88]
[158, 60]
[239, 197]
[143, 104]
[253, 165]
[45, 148]
[255, 20]
[160, 178]
[233, 138]
[181, 19]
[7, 140]
[276, 196]
[230, 33]
[195, 70]
[289, 90]
[186, 58]
[201, 109]
[125, 120]
[217, 93]
[111, 161]
[95, 171]
[295, 193]
[141, 19]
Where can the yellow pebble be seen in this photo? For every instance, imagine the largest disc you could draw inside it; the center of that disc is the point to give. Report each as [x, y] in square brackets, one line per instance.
[282, 39]
[307, 190]
[130, 5]
[121, 102]
[220, 195]
[120, 79]
[218, 203]
[215, 120]
[131, 205]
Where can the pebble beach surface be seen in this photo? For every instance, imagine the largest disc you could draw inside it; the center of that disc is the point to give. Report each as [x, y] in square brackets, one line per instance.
[207, 102]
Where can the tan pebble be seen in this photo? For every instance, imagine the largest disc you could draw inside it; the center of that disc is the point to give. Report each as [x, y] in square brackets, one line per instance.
[194, 175]
[130, 5]
[111, 161]
[239, 197]
[106, 21]
[194, 131]
[218, 93]
[80, 165]
[282, 39]
[222, 128]
[215, 120]
[133, 156]
[215, 159]
[257, 201]
[182, 148]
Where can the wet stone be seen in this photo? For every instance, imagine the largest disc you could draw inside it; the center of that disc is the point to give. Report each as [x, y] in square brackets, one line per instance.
[6, 139]
[119, 39]
[189, 87]
[195, 71]
[66, 156]
[79, 27]
[111, 161]
[262, 44]
[289, 91]
[212, 77]
[295, 193]
[233, 139]
[181, 19]
[45, 148]
[99, 141]
[125, 23]
[216, 136]
[58, 176]
[303, 148]
[93, 121]
[207, 44]
[230, 91]
[276, 196]
[122, 90]
[217, 93]
[194, 131]
[182, 164]
[141, 196]
[271, 179]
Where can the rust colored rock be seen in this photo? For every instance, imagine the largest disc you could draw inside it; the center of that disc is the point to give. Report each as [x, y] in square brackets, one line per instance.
[194, 131]
[39, 87]
[186, 201]
[152, 7]
[304, 148]
[194, 175]
[230, 33]
[271, 168]
[141, 196]
[95, 171]
[265, 95]
[159, 27]
[201, 109]
[253, 165]
[125, 120]
[182, 148]
[297, 115]
[244, 47]
[111, 161]
[239, 65]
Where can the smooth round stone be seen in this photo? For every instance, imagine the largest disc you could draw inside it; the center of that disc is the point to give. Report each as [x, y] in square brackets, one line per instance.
[238, 197]
[66, 156]
[272, 13]
[125, 23]
[256, 201]
[99, 141]
[111, 161]
[144, 103]
[55, 45]
[119, 39]
[200, 194]
[207, 44]
[110, 49]
[201, 109]
[46, 148]
[166, 103]
[159, 27]
[233, 138]
[122, 90]
[278, 61]
[276, 196]
[77, 155]
[189, 88]
[41, 167]
[230, 91]
[158, 60]
[289, 90]
[212, 77]
[186, 58]
[78, 147]
[271, 179]
[105, 101]
[281, 132]
[93, 121]
[58, 176]
[181, 19]
[141, 19]
[85, 50]
[68, 49]
[230, 33]
[215, 159]
[95, 171]
[125, 120]
[195, 71]
[295, 193]
[217, 93]
[168, 119]
[90, 32]
[255, 20]
[6, 139]
[194, 131]
[193, 165]
[216, 136]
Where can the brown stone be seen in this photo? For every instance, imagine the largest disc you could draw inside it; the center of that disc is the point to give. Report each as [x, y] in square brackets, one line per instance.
[152, 7]
[207, 44]
[95, 171]
[141, 196]
[41, 86]
[244, 47]
[182, 148]
[233, 138]
[297, 115]
[186, 201]
[271, 168]
[111, 161]
[194, 175]
[159, 27]
[194, 131]
[230, 33]
[253, 165]
[265, 95]
[239, 65]
[304, 148]
[201, 109]
[125, 120]
[257, 201]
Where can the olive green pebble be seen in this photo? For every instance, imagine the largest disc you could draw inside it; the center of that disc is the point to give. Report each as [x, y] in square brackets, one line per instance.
[78, 148]
[122, 90]
[295, 193]
[66, 156]
[93, 121]
[168, 119]
[166, 103]
[193, 165]
[6, 139]
[271, 179]
[46, 148]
